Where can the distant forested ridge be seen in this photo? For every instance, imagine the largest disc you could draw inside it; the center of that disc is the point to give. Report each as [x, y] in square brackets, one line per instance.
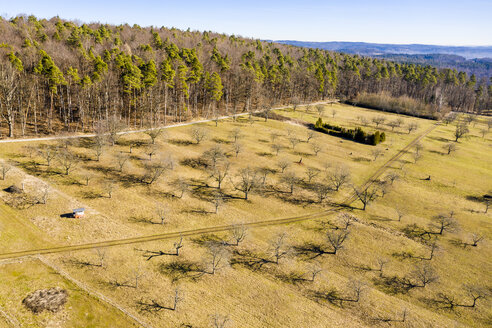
[58, 75]
[374, 49]
[472, 60]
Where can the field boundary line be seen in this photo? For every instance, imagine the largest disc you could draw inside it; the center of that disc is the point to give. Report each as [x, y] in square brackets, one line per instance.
[91, 291]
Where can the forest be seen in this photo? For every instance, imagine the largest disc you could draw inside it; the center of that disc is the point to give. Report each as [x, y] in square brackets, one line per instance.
[64, 76]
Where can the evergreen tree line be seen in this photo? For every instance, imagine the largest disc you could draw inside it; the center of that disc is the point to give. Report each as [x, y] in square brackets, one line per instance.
[58, 75]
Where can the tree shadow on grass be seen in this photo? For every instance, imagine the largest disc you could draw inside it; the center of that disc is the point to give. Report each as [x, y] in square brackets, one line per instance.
[393, 284]
[361, 159]
[208, 239]
[294, 278]
[221, 141]
[264, 154]
[180, 142]
[311, 251]
[182, 269]
[90, 194]
[441, 139]
[249, 260]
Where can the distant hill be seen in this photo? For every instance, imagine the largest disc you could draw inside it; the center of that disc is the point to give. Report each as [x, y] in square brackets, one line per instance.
[472, 60]
[376, 49]
[481, 67]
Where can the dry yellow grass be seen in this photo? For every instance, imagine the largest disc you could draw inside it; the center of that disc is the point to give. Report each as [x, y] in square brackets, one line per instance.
[265, 297]
[81, 310]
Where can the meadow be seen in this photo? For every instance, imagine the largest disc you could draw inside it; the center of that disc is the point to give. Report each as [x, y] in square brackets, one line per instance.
[417, 256]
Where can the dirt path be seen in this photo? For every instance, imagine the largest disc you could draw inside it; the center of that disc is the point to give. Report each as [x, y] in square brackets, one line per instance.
[92, 135]
[214, 229]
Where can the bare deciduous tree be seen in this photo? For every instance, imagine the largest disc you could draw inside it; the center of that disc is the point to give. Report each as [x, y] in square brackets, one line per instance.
[151, 150]
[88, 176]
[214, 155]
[412, 127]
[5, 168]
[236, 134]
[219, 321]
[393, 124]
[153, 172]
[180, 186]
[416, 156]
[444, 222]
[316, 147]
[45, 193]
[219, 173]
[154, 134]
[310, 134]
[30, 150]
[283, 164]
[475, 239]
[422, 275]
[314, 270]
[48, 153]
[345, 220]
[217, 201]
[336, 239]
[218, 256]
[294, 141]
[274, 135]
[291, 180]
[376, 152]
[461, 131]
[367, 195]
[276, 148]
[381, 263]
[67, 160]
[98, 148]
[320, 109]
[121, 160]
[101, 255]
[334, 112]
[311, 173]
[109, 187]
[237, 148]
[392, 177]
[162, 213]
[198, 134]
[339, 177]
[322, 191]
[473, 294]
[247, 180]
[278, 247]
[400, 213]
[238, 233]
[178, 297]
[137, 274]
[378, 120]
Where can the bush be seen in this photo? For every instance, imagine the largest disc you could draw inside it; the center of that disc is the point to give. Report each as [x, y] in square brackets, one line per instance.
[357, 134]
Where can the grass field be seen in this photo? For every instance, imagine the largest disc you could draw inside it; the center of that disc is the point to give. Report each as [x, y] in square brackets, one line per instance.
[81, 309]
[249, 287]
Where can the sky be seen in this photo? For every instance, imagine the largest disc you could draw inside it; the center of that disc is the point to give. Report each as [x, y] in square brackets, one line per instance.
[441, 22]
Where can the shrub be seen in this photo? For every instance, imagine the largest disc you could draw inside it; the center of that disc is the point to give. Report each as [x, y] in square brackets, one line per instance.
[357, 134]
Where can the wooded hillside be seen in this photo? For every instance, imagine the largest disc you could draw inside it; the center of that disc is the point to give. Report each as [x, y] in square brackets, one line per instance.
[58, 75]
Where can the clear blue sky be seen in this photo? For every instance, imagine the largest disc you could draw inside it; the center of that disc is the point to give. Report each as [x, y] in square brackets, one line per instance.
[447, 22]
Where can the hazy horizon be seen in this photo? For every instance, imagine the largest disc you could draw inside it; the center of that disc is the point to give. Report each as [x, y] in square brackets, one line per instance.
[438, 22]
